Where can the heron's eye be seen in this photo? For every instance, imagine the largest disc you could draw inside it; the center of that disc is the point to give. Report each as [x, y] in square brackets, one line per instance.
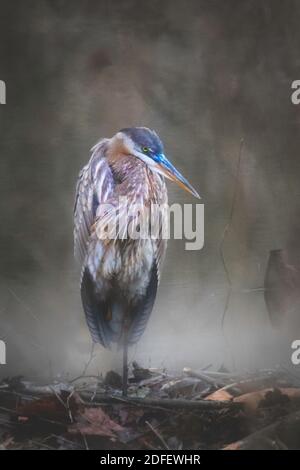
[145, 149]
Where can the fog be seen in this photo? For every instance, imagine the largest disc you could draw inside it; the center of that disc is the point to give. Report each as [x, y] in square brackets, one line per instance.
[205, 75]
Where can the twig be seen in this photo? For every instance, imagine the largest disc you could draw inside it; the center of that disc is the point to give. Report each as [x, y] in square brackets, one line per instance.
[62, 403]
[63, 439]
[199, 375]
[223, 375]
[65, 405]
[68, 405]
[85, 441]
[23, 304]
[154, 430]
[41, 444]
[226, 230]
[92, 356]
[80, 377]
[153, 380]
[175, 404]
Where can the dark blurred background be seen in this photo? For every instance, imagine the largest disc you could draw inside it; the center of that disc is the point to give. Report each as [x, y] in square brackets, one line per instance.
[205, 74]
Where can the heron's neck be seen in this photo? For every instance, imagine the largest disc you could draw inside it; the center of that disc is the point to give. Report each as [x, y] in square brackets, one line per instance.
[133, 179]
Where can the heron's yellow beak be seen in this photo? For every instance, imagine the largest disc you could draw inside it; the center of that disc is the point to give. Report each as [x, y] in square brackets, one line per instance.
[165, 168]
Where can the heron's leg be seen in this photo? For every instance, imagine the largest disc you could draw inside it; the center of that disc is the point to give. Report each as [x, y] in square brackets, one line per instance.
[125, 365]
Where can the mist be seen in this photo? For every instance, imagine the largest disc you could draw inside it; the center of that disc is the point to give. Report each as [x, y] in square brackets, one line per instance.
[205, 75]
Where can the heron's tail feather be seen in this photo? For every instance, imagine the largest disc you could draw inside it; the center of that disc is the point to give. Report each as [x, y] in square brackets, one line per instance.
[106, 319]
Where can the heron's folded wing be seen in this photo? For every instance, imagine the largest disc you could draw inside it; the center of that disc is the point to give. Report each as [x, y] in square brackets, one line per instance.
[143, 308]
[96, 311]
[94, 186]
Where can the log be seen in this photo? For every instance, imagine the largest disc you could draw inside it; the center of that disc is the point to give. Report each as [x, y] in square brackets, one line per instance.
[283, 434]
[172, 404]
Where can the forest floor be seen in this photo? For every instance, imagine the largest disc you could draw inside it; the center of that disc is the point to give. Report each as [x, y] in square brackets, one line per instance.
[201, 409]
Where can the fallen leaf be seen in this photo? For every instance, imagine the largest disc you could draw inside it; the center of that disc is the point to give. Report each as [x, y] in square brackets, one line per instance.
[95, 422]
[254, 400]
[219, 395]
[233, 446]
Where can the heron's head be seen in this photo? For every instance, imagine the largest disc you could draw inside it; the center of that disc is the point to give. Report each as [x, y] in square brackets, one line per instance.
[145, 144]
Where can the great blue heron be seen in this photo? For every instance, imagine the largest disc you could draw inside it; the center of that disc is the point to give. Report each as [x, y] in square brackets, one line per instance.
[120, 274]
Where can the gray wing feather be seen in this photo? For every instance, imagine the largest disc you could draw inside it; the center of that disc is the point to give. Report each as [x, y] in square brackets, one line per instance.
[96, 310]
[143, 309]
[95, 183]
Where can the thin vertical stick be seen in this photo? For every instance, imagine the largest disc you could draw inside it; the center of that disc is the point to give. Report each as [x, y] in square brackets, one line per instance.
[125, 365]
[225, 232]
